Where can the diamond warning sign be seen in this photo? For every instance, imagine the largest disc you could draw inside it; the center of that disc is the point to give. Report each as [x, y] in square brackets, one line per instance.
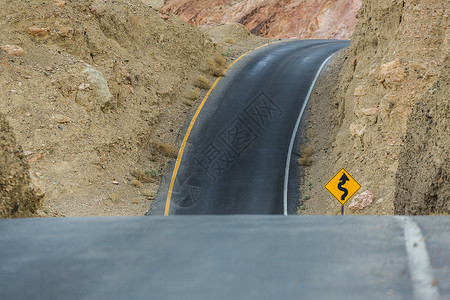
[342, 186]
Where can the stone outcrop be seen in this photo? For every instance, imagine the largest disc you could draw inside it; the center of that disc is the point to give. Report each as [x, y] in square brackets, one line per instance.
[17, 196]
[393, 110]
[423, 177]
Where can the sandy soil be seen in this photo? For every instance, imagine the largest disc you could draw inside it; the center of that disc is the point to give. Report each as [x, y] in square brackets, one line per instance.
[98, 98]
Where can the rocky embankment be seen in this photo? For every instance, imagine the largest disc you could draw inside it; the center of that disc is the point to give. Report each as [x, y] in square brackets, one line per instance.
[392, 107]
[273, 18]
[18, 197]
[96, 93]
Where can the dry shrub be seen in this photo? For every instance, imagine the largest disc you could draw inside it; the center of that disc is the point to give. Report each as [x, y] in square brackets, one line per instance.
[166, 149]
[188, 102]
[144, 177]
[229, 41]
[202, 82]
[136, 183]
[220, 60]
[214, 69]
[306, 157]
[193, 94]
[148, 193]
[114, 197]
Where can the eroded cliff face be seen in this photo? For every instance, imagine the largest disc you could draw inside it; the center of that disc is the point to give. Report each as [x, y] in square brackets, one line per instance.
[397, 56]
[18, 197]
[274, 18]
[423, 181]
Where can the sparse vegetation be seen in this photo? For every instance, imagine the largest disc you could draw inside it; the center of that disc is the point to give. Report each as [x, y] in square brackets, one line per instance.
[229, 52]
[229, 41]
[192, 94]
[306, 157]
[202, 82]
[153, 173]
[148, 193]
[144, 177]
[114, 198]
[166, 149]
[188, 102]
[220, 59]
[214, 68]
[136, 183]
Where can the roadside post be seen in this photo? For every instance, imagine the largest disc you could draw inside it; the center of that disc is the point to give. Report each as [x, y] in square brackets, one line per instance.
[343, 187]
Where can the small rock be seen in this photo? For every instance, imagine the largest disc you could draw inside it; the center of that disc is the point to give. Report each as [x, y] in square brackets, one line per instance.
[164, 16]
[20, 84]
[83, 86]
[27, 77]
[28, 153]
[28, 114]
[42, 32]
[115, 182]
[357, 130]
[13, 50]
[65, 31]
[359, 91]
[60, 3]
[93, 10]
[362, 200]
[61, 119]
[369, 111]
[391, 72]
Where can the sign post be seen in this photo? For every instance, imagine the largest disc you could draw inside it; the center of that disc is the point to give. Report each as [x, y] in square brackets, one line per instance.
[342, 186]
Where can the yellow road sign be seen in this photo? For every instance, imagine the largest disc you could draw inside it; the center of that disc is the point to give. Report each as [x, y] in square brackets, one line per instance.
[342, 186]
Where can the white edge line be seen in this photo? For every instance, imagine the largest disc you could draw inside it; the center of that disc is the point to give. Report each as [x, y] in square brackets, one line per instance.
[294, 134]
[419, 262]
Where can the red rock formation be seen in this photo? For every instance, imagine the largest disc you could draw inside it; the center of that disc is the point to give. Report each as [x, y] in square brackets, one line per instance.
[274, 18]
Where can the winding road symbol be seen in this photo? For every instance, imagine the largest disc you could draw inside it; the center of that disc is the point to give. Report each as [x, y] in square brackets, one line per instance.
[342, 186]
[342, 181]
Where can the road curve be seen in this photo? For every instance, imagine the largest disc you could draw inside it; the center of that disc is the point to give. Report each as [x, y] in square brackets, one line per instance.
[235, 157]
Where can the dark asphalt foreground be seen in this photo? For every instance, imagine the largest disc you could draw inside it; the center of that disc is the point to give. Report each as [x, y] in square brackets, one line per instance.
[235, 158]
[216, 257]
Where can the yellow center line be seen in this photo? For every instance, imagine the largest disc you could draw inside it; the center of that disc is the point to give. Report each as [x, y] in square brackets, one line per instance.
[194, 118]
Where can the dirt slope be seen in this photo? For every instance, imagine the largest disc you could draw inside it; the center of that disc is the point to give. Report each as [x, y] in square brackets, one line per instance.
[94, 100]
[273, 18]
[397, 65]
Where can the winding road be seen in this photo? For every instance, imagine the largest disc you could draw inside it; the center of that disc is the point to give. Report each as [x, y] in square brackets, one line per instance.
[234, 160]
[236, 156]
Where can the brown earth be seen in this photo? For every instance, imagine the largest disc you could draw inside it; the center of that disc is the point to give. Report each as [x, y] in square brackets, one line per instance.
[18, 197]
[423, 177]
[96, 98]
[273, 18]
[397, 61]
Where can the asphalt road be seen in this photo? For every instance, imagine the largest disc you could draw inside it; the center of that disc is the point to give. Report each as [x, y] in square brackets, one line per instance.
[236, 154]
[225, 257]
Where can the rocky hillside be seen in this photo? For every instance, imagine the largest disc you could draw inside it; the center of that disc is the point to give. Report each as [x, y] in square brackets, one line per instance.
[392, 107]
[93, 91]
[273, 18]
